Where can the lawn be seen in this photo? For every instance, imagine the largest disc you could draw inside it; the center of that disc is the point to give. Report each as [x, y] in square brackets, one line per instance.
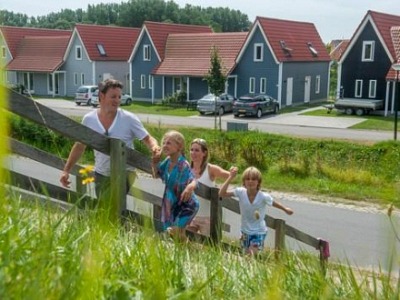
[159, 109]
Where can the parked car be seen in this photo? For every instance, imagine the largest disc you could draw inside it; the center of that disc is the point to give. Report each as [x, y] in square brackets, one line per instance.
[255, 105]
[84, 94]
[125, 99]
[206, 104]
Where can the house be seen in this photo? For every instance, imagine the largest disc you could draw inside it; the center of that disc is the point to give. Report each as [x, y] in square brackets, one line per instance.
[285, 59]
[365, 69]
[97, 52]
[32, 58]
[187, 60]
[337, 49]
[148, 53]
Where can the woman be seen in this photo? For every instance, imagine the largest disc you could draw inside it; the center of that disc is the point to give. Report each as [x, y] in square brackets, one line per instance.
[206, 174]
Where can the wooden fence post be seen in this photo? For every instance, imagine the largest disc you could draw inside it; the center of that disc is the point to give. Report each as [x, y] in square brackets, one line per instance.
[118, 178]
[215, 216]
[280, 232]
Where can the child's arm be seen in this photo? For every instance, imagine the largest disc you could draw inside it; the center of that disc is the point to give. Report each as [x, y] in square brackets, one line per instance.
[287, 210]
[223, 190]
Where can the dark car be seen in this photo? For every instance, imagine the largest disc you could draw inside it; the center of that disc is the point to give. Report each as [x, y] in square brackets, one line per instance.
[255, 105]
[211, 104]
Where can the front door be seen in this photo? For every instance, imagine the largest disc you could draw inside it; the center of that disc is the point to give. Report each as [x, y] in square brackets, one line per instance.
[289, 91]
[307, 89]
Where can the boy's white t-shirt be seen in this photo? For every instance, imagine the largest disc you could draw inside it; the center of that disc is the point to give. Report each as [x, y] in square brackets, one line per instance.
[126, 127]
[250, 224]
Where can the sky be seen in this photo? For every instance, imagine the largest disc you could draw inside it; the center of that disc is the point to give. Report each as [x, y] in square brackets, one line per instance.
[334, 19]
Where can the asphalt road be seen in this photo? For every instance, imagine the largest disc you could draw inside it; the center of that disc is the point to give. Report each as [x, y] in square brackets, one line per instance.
[291, 124]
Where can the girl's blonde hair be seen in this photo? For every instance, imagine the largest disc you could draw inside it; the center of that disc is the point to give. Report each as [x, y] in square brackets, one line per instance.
[177, 137]
[254, 173]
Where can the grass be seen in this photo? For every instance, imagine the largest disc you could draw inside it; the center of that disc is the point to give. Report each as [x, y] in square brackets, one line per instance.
[52, 254]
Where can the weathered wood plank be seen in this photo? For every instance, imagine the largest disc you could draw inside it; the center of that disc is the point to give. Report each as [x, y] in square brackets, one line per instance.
[302, 236]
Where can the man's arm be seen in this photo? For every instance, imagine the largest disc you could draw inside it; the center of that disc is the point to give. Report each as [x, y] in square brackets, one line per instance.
[75, 154]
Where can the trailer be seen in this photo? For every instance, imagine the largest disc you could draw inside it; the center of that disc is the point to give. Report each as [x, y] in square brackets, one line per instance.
[358, 106]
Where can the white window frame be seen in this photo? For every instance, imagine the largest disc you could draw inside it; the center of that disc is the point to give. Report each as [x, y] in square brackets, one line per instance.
[252, 85]
[358, 88]
[256, 47]
[142, 81]
[76, 79]
[371, 53]
[150, 82]
[372, 88]
[263, 85]
[82, 78]
[3, 52]
[317, 84]
[78, 52]
[146, 52]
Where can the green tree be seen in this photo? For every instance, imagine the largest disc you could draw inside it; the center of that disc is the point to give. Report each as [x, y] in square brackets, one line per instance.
[216, 79]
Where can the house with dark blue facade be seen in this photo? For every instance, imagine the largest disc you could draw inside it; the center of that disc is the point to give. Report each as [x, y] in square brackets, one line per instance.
[284, 59]
[365, 69]
[188, 57]
[148, 53]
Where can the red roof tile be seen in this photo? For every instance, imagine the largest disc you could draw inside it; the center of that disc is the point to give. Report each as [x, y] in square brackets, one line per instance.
[159, 32]
[395, 35]
[39, 54]
[13, 35]
[337, 52]
[189, 54]
[117, 42]
[297, 36]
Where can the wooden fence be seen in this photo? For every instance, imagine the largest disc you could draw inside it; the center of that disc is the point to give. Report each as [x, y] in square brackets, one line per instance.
[120, 156]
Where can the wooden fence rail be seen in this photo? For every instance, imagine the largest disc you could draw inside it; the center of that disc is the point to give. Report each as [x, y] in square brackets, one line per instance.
[120, 156]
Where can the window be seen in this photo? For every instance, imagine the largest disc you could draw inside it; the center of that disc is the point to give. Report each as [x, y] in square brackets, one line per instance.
[372, 89]
[150, 82]
[313, 51]
[263, 85]
[50, 83]
[82, 78]
[252, 85]
[78, 52]
[101, 50]
[368, 51]
[258, 52]
[146, 52]
[28, 81]
[76, 79]
[142, 81]
[317, 84]
[358, 91]
[3, 52]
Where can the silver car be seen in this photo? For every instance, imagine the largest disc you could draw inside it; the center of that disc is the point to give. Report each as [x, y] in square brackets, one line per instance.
[222, 104]
[125, 99]
[84, 94]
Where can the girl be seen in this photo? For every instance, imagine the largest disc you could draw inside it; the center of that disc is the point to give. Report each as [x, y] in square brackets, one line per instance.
[179, 203]
[253, 207]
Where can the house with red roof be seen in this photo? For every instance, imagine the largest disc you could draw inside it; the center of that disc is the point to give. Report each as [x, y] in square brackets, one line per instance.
[33, 57]
[284, 59]
[96, 53]
[365, 69]
[187, 58]
[148, 53]
[338, 49]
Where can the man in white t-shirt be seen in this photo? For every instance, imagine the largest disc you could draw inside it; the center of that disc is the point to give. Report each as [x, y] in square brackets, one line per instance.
[109, 119]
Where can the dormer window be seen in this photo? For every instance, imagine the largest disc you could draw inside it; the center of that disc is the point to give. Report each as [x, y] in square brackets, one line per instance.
[287, 50]
[101, 49]
[78, 53]
[313, 51]
[146, 53]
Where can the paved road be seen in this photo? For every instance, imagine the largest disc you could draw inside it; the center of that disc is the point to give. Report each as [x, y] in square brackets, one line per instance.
[361, 236]
[291, 124]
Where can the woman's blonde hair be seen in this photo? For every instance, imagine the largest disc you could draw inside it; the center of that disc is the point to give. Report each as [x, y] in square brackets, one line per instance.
[177, 137]
[254, 173]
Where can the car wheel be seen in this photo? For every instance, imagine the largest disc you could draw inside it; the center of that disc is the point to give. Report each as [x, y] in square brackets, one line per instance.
[89, 102]
[201, 112]
[94, 105]
[78, 103]
[259, 113]
[128, 101]
[221, 111]
[236, 116]
[276, 109]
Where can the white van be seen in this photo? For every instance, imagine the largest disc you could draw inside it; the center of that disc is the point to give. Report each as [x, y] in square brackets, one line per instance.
[84, 94]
